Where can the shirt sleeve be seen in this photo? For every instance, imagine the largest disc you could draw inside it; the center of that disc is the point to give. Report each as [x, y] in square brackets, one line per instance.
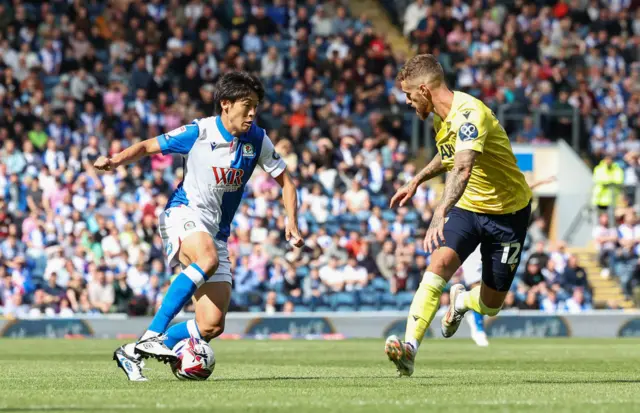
[179, 140]
[269, 159]
[471, 130]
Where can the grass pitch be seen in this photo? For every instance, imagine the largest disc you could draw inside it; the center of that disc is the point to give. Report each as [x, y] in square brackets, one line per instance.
[549, 375]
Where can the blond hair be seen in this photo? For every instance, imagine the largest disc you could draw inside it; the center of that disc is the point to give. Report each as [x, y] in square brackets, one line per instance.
[424, 66]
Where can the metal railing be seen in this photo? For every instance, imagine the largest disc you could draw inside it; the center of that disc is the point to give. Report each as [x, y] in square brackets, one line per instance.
[422, 135]
[585, 214]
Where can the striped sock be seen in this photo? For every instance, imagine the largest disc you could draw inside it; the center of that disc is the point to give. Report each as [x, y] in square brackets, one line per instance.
[180, 291]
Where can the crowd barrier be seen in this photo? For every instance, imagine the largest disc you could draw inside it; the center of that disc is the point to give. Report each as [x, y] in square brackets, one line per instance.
[337, 326]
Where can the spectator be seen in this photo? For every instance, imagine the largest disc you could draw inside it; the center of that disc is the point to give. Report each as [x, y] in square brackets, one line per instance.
[607, 179]
[101, 294]
[531, 301]
[533, 274]
[574, 276]
[577, 303]
[332, 275]
[122, 293]
[272, 65]
[551, 303]
[357, 199]
[245, 279]
[605, 238]
[12, 158]
[270, 306]
[354, 275]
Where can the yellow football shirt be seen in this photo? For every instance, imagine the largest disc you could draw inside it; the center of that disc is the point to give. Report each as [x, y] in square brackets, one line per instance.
[496, 186]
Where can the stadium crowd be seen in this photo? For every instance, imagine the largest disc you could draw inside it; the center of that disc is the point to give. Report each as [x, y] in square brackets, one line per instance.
[81, 79]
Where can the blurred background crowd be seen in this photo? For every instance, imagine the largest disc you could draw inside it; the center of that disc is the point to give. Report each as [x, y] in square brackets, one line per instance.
[79, 79]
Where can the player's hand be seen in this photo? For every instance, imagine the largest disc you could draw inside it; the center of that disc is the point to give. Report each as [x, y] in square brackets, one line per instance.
[292, 234]
[435, 234]
[404, 194]
[104, 164]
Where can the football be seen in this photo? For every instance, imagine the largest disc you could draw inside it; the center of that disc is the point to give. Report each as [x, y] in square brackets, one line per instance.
[196, 360]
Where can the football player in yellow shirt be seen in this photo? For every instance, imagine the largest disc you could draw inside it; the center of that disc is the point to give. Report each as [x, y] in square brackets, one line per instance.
[486, 202]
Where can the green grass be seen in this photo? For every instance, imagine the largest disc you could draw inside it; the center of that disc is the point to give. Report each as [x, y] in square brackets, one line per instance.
[552, 375]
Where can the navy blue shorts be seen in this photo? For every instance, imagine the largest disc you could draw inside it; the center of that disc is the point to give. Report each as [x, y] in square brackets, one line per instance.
[501, 238]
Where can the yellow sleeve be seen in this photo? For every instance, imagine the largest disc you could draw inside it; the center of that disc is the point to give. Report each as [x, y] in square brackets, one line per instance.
[471, 129]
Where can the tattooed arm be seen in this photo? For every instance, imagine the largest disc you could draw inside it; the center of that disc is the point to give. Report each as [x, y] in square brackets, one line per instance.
[433, 169]
[457, 179]
[455, 185]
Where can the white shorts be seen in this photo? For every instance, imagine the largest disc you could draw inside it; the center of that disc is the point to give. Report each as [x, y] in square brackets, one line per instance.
[472, 268]
[176, 224]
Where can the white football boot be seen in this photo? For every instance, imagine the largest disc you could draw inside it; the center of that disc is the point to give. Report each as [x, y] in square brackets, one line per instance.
[131, 363]
[452, 318]
[402, 354]
[154, 347]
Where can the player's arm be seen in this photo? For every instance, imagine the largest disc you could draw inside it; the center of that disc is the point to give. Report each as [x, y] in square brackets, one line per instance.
[179, 141]
[457, 180]
[130, 155]
[290, 201]
[408, 190]
[433, 169]
[548, 180]
[273, 164]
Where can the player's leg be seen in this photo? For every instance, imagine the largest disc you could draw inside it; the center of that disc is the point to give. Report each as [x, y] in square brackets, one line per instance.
[476, 325]
[501, 250]
[472, 274]
[483, 299]
[444, 263]
[212, 302]
[461, 235]
[199, 257]
[189, 243]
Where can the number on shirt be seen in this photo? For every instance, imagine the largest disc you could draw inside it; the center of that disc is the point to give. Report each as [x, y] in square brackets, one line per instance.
[510, 252]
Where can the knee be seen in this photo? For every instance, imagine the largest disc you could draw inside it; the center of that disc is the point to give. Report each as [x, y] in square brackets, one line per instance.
[444, 262]
[210, 329]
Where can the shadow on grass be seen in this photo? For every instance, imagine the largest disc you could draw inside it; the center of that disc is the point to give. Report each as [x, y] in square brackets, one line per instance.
[58, 409]
[594, 381]
[294, 378]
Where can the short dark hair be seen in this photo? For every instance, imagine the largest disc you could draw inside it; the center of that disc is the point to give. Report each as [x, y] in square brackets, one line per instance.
[422, 66]
[235, 86]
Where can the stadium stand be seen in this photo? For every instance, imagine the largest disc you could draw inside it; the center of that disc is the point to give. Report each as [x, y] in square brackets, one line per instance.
[81, 79]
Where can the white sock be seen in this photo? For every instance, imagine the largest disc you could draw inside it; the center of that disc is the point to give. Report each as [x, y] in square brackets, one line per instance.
[459, 304]
[415, 344]
[148, 334]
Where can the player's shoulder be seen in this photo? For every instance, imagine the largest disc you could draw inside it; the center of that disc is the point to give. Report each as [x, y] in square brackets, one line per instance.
[203, 123]
[467, 106]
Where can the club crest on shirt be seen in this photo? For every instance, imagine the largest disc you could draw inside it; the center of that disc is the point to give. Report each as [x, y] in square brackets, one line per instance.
[468, 131]
[248, 150]
[189, 225]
